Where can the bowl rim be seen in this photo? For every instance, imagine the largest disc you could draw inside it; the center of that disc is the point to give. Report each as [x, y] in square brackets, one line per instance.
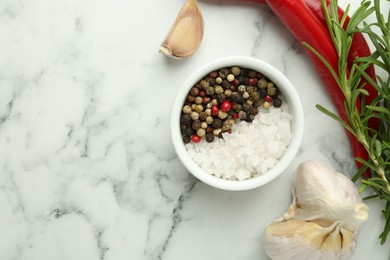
[289, 93]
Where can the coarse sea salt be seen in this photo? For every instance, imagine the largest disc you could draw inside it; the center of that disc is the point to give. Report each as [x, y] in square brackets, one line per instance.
[250, 149]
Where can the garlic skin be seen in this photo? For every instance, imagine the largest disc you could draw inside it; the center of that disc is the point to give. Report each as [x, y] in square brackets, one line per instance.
[323, 220]
[186, 33]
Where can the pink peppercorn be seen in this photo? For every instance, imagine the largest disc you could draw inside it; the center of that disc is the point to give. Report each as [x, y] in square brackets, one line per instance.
[226, 106]
[195, 139]
[214, 110]
[236, 82]
[252, 81]
[268, 98]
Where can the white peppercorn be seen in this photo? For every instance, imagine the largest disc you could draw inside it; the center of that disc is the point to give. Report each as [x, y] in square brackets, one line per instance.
[194, 115]
[230, 77]
[187, 109]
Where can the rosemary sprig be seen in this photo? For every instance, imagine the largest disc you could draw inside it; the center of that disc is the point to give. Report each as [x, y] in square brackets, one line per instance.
[377, 143]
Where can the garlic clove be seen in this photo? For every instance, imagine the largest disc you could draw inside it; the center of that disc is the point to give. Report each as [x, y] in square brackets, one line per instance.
[322, 193]
[323, 220]
[298, 239]
[186, 33]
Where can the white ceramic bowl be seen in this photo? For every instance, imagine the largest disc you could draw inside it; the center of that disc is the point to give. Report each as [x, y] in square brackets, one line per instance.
[287, 90]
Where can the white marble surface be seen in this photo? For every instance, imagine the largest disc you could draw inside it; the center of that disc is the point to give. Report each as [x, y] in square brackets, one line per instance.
[87, 168]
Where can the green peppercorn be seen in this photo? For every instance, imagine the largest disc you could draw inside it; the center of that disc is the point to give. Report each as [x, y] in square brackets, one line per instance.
[276, 102]
[237, 107]
[258, 103]
[228, 93]
[223, 73]
[249, 102]
[204, 83]
[270, 84]
[227, 125]
[235, 70]
[250, 89]
[210, 90]
[254, 96]
[246, 107]
[271, 91]
[218, 89]
[262, 83]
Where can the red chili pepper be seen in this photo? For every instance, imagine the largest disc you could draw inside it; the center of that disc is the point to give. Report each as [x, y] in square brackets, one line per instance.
[305, 20]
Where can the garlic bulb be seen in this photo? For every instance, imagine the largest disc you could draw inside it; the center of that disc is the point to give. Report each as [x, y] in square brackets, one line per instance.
[186, 34]
[323, 220]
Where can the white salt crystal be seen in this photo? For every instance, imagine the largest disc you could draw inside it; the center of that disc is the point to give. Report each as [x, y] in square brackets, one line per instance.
[243, 174]
[251, 149]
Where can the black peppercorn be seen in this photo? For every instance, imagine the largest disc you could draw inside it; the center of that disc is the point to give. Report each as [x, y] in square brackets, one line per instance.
[263, 92]
[276, 102]
[202, 116]
[226, 84]
[221, 98]
[188, 131]
[185, 119]
[217, 123]
[211, 81]
[194, 91]
[237, 98]
[210, 137]
[186, 139]
[196, 124]
[242, 80]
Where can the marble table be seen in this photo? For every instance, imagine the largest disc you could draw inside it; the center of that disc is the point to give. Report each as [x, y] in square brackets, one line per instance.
[87, 167]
